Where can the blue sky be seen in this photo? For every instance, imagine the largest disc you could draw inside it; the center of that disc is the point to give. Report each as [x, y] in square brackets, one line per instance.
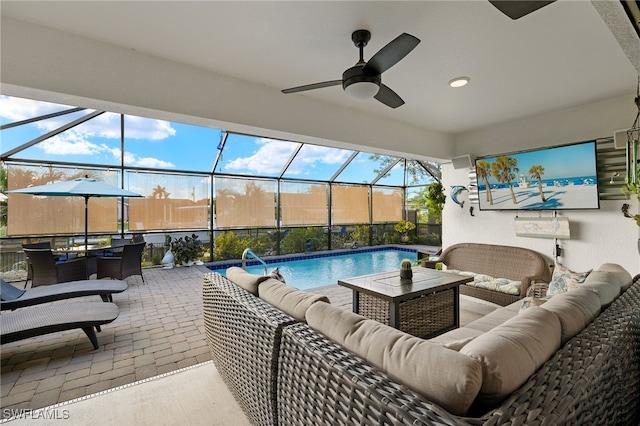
[172, 146]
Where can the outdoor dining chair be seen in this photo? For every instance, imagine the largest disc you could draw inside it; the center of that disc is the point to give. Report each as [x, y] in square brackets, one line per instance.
[117, 245]
[121, 267]
[45, 270]
[42, 245]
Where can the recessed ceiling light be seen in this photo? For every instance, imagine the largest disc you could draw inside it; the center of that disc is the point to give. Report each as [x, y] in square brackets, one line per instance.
[459, 82]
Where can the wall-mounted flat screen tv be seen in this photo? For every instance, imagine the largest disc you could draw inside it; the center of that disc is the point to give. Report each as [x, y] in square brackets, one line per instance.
[557, 178]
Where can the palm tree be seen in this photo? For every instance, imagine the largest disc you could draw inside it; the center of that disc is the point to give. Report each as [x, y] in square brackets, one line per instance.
[504, 170]
[483, 172]
[159, 192]
[536, 171]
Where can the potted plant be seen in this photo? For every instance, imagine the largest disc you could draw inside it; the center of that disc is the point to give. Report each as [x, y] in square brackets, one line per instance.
[403, 227]
[186, 250]
[435, 198]
[405, 269]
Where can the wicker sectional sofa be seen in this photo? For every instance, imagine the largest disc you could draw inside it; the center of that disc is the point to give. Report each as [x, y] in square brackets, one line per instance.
[284, 371]
[496, 263]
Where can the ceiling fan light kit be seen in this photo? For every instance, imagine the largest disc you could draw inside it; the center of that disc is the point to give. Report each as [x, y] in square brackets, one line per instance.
[364, 79]
[459, 81]
[358, 85]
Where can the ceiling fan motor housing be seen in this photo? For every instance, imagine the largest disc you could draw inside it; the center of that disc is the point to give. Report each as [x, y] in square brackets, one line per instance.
[357, 75]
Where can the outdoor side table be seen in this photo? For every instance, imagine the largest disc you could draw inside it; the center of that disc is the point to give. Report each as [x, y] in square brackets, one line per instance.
[425, 306]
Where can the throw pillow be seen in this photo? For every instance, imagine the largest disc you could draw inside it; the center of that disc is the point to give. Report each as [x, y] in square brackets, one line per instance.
[564, 279]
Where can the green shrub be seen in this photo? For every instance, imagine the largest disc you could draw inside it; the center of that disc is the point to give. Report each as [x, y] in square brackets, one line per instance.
[296, 240]
[429, 239]
[228, 246]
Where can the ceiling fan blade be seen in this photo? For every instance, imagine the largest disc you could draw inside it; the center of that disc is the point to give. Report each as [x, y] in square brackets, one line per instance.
[313, 86]
[389, 55]
[388, 97]
[518, 9]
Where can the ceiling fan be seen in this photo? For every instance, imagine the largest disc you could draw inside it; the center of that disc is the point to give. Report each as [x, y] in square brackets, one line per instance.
[518, 9]
[364, 79]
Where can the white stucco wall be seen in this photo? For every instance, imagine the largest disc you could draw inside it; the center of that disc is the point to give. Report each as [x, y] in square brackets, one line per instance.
[49, 65]
[597, 236]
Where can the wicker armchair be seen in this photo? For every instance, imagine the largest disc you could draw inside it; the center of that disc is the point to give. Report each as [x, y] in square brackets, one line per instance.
[45, 270]
[121, 267]
[42, 245]
[117, 245]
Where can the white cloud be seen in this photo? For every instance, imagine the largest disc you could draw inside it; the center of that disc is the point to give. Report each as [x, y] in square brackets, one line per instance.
[271, 156]
[153, 162]
[77, 140]
[130, 159]
[313, 156]
[17, 109]
[268, 159]
[105, 125]
[71, 144]
[147, 128]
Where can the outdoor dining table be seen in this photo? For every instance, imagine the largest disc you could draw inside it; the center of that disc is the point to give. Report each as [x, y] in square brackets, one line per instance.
[91, 252]
[80, 250]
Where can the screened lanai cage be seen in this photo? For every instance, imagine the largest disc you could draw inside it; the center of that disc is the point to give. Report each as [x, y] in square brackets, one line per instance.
[233, 190]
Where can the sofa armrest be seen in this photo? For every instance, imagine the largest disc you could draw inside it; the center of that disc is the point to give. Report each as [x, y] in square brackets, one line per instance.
[243, 333]
[426, 263]
[537, 290]
[527, 282]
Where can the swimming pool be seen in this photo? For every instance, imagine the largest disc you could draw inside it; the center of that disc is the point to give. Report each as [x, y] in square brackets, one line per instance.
[327, 270]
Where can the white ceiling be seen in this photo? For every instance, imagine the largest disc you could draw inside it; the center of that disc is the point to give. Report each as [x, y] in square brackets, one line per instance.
[558, 57]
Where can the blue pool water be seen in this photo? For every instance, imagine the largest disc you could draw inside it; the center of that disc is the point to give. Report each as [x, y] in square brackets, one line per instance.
[327, 270]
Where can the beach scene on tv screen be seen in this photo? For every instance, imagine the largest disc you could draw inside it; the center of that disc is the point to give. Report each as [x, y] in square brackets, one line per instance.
[563, 177]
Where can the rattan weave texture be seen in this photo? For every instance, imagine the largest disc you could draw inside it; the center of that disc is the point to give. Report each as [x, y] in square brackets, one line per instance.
[515, 263]
[38, 320]
[45, 270]
[130, 263]
[53, 292]
[243, 334]
[422, 316]
[592, 380]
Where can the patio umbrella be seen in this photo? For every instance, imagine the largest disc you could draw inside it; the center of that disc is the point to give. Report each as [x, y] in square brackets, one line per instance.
[81, 187]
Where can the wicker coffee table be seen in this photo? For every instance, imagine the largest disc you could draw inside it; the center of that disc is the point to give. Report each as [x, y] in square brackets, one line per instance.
[425, 306]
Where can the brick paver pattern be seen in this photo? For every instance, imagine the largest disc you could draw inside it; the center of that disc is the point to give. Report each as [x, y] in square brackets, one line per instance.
[160, 329]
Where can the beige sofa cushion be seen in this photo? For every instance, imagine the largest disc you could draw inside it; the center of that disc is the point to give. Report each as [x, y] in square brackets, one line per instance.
[605, 284]
[575, 309]
[456, 338]
[492, 320]
[514, 307]
[513, 351]
[288, 299]
[244, 279]
[445, 377]
[622, 275]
